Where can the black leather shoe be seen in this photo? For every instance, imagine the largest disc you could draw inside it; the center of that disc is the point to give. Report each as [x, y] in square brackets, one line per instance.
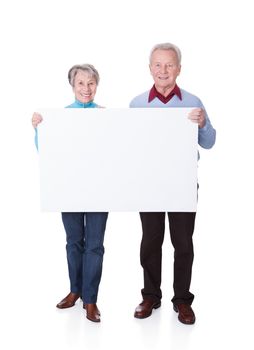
[68, 301]
[92, 312]
[186, 314]
[145, 308]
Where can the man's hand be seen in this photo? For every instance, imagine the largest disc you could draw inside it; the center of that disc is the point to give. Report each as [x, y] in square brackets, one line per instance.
[197, 115]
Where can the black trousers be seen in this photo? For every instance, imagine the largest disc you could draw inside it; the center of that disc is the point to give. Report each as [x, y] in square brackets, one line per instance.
[181, 226]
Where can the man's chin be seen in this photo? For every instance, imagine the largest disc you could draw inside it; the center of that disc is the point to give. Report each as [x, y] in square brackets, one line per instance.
[163, 86]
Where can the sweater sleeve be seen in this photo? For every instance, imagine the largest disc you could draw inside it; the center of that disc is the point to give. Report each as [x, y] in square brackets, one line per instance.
[207, 135]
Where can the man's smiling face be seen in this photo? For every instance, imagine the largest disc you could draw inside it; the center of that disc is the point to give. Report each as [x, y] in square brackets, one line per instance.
[165, 68]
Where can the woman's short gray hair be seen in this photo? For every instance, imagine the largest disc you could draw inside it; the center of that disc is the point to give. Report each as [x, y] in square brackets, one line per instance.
[167, 46]
[86, 68]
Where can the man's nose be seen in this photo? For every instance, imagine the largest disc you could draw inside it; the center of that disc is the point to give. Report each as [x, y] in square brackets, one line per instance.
[163, 69]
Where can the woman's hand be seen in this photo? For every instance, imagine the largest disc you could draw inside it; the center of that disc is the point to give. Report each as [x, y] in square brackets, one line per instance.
[36, 119]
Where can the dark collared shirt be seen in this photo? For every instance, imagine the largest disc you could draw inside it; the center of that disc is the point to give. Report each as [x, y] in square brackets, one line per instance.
[154, 93]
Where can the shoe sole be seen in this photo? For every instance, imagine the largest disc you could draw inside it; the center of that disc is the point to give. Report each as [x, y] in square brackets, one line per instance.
[95, 321]
[64, 307]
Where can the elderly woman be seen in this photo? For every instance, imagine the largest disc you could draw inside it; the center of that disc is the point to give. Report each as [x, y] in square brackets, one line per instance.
[84, 231]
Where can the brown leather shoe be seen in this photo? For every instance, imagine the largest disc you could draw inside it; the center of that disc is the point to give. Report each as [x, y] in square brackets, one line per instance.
[68, 301]
[92, 312]
[145, 309]
[186, 314]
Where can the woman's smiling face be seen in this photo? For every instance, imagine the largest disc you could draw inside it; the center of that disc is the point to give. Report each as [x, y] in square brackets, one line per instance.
[84, 87]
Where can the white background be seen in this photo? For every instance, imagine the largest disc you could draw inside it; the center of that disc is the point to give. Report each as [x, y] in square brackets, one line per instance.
[40, 41]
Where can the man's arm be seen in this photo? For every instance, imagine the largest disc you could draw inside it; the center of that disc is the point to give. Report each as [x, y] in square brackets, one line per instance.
[206, 133]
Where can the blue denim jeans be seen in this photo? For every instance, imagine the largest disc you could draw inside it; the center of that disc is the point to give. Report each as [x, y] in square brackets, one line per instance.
[85, 236]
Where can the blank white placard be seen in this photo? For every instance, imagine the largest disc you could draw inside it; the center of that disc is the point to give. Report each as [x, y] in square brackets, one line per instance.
[133, 159]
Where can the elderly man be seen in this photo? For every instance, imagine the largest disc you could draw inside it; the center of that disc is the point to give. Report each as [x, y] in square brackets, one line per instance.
[165, 66]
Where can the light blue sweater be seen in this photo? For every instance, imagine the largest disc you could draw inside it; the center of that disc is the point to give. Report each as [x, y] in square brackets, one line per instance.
[206, 135]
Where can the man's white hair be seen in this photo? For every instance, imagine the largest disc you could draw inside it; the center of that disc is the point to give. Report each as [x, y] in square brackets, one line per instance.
[167, 46]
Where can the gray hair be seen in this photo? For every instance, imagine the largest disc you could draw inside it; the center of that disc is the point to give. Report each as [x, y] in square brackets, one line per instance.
[167, 46]
[85, 68]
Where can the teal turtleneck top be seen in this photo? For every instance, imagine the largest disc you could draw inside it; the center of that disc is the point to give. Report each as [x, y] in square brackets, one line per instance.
[78, 104]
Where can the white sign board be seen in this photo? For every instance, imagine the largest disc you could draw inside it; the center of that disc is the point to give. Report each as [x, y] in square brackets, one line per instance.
[133, 159]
